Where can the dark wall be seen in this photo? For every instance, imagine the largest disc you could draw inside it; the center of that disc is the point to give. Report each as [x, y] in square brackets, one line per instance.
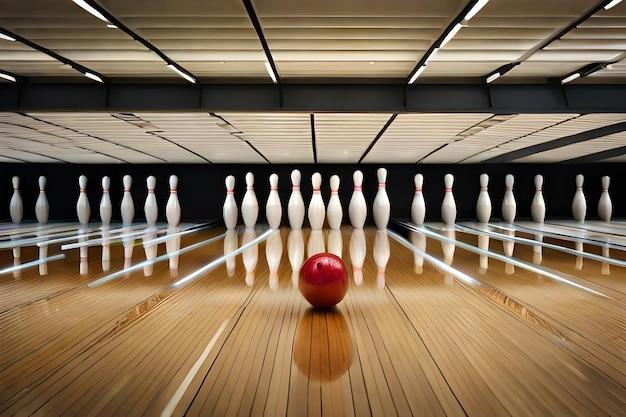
[201, 187]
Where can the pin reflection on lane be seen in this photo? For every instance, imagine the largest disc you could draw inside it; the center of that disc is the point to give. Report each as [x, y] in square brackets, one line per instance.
[295, 252]
[250, 255]
[382, 252]
[358, 250]
[273, 255]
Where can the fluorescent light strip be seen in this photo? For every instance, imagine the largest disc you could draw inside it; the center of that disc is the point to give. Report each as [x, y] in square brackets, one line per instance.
[270, 71]
[93, 77]
[570, 78]
[493, 77]
[612, 4]
[32, 263]
[6, 37]
[8, 77]
[112, 26]
[417, 74]
[90, 9]
[451, 34]
[432, 54]
[477, 7]
[182, 74]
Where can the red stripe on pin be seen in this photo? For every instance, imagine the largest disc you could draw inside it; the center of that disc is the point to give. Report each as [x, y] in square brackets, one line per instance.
[316, 190]
[127, 190]
[418, 190]
[358, 187]
[448, 190]
[273, 188]
[82, 190]
[295, 187]
[230, 192]
[381, 185]
[173, 190]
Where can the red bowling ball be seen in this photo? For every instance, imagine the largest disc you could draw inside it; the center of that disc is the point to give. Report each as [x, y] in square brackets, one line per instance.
[323, 280]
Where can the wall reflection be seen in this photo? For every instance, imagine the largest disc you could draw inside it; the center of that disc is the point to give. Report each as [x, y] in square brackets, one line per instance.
[323, 349]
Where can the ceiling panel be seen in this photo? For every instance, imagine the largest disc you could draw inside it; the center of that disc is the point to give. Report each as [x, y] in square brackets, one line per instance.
[577, 150]
[412, 137]
[344, 137]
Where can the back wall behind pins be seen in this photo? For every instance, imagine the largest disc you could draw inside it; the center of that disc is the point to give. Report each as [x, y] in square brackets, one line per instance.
[201, 189]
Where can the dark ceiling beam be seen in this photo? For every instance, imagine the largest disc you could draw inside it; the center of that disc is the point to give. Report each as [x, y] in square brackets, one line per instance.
[598, 156]
[558, 143]
[75, 65]
[390, 98]
[259, 31]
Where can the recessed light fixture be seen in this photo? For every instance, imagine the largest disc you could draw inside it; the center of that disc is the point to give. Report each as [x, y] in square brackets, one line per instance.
[8, 77]
[372, 62]
[110, 26]
[93, 77]
[612, 4]
[6, 37]
[493, 77]
[270, 71]
[181, 73]
[89, 8]
[570, 78]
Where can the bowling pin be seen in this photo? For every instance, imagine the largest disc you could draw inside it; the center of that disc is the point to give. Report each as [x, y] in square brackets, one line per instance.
[538, 206]
[106, 208]
[295, 206]
[150, 207]
[382, 207]
[605, 207]
[273, 254]
[127, 208]
[483, 205]
[579, 203]
[42, 209]
[295, 252]
[334, 211]
[317, 210]
[16, 207]
[82, 205]
[273, 208]
[230, 212]
[249, 205]
[358, 251]
[382, 252]
[418, 206]
[172, 208]
[448, 205]
[509, 206]
[357, 210]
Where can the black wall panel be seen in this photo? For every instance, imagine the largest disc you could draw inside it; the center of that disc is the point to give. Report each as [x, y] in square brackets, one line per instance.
[201, 187]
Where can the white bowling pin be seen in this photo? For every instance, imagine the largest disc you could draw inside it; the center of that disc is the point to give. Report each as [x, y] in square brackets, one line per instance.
[150, 207]
[382, 252]
[509, 206]
[295, 206]
[230, 212]
[42, 209]
[249, 205]
[106, 208]
[357, 209]
[273, 254]
[334, 211]
[315, 244]
[295, 252]
[273, 207]
[358, 251]
[172, 208]
[579, 203]
[538, 206]
[127, 208]
[418, 206]
[334, 242]
[382, 207]
[483, 205]
[250, 255]
[605, 207]
[16, 207]
[82, 205]
[448, 205]
[317, 210]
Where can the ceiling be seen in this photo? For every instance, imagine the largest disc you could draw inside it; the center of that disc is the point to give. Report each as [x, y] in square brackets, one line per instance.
[324, 41]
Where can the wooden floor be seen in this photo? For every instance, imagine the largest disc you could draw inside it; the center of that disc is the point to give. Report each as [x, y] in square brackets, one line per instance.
[401, 343]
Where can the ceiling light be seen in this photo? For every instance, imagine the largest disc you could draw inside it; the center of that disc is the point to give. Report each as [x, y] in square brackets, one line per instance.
[6, 37]
[93, 77]
[493, 77]
[181, 73]
[8, 77]
[112, 26]
[570, 78]
[611, 4]
[475, 9]
[417, 74]
[432, 54]
[270, 71]
[89, 8]
[451, 34]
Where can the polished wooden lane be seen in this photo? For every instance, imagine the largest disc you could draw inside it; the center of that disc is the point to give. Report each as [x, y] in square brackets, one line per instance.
[401, 343]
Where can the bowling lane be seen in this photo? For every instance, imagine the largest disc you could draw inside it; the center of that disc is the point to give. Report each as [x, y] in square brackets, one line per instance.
[39, 337]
